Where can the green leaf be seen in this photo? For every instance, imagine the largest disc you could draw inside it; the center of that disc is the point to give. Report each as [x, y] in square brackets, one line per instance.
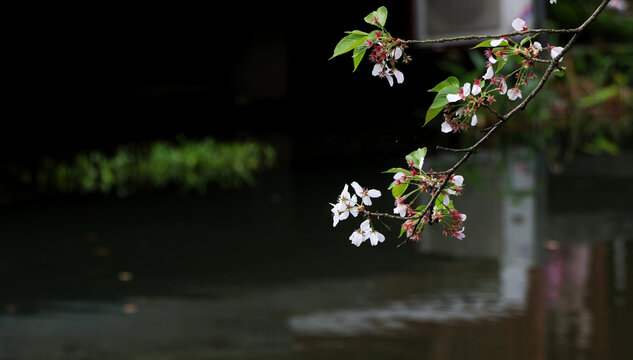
[359, 52]
[439, 201]
[349, 42]
[440, 99]
[501, 63]
[431, 113]
[439, 102]
[402, 230]
[528, 38]
[416, 156]
[487, 43]
[450, 81]
[380, 15]
[396, 170]
[399, 189]
[373, 35]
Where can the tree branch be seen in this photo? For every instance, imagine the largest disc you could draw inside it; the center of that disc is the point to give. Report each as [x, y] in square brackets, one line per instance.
[502, 119]
[495, 36]
[553, 64]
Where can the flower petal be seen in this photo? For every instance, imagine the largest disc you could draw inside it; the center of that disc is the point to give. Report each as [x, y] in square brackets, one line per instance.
[396, 53]
[518, 24]
[466, 89]
[555, 52]
[376, 70]
[476, 89]
[365, 225]
[489, 73]
[453, 97]
[496, 42]
[399, 76]
[446, 127]
[357, 188]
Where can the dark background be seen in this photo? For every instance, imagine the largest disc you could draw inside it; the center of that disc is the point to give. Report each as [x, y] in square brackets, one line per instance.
[94, 76]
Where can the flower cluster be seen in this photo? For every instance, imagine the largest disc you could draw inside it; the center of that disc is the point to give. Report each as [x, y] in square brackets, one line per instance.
[386, 51]
[350, 204]
[463, 104]
[408, 184]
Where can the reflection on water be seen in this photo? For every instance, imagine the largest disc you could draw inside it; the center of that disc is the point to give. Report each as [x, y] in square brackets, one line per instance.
[156, 278]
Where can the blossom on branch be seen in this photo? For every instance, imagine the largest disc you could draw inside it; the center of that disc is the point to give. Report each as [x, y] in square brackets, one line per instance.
[473, 120]
[477, 84]
[365, 194]
[462, 93]
[459, 233]
[381, 70]
[346, 205]
[401, 208]
[555, 51]
[370, 233]
[357, 237]
[446, 127]
[489, 73]
[519, 24]
[514, 93]
[503, 88]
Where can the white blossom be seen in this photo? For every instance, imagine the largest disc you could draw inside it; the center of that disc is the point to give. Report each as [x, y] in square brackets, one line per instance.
[555, 52]
[503, 88]
[514, 94]
[458, 180]
[489, 73]
[619, 5]
[357, 237]
[346, 205]
[374, 236]
[398, 75]
[519, 24]
[477, 84]
[401, 208]
[462, 93]
[381, 70]
[396, 53]
[497, 42]
[347, 208]
[446, 127]
[365, 194]
[399, 176]
[473, 121]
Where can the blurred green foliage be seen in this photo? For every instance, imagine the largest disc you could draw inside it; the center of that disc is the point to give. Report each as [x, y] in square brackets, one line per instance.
[590, 108]
[190, 165]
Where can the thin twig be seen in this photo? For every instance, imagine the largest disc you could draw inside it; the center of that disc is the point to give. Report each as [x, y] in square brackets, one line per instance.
[502, 119]
[495, 36]
[553, 64]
